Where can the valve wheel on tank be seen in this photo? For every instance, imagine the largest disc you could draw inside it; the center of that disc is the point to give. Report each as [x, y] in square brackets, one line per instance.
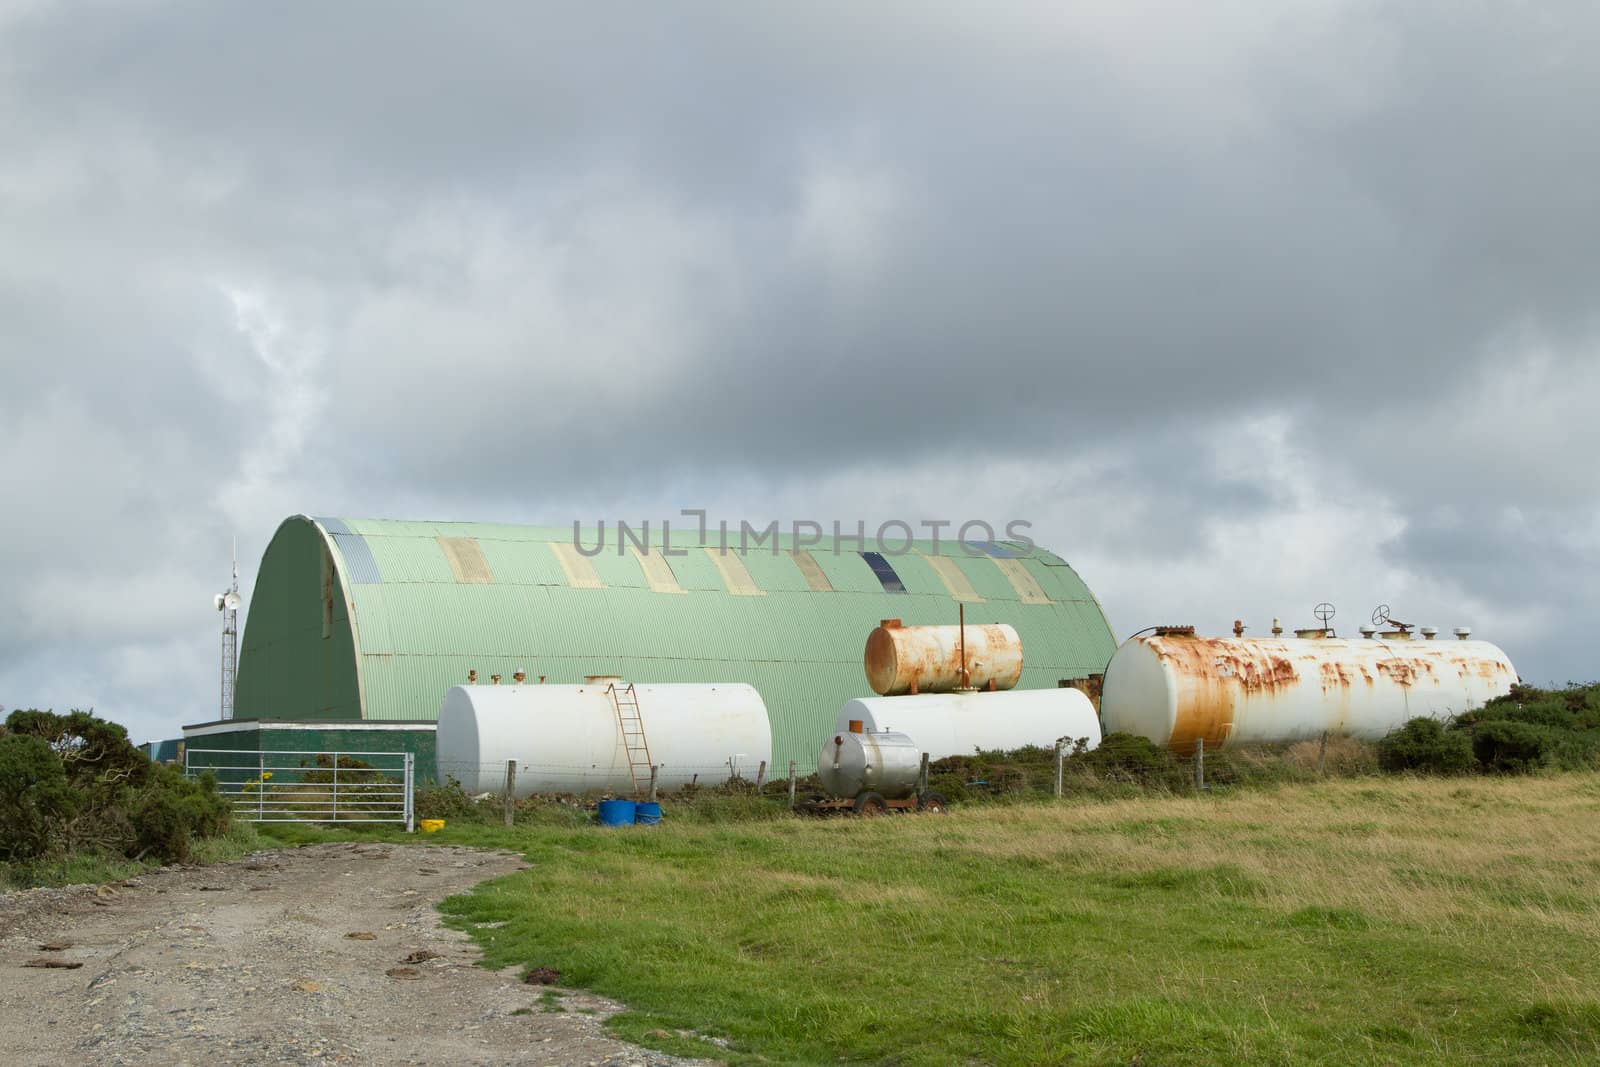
[871, 805]
[932, 802]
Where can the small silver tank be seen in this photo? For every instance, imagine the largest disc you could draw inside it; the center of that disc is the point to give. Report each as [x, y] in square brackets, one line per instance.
[886, 763]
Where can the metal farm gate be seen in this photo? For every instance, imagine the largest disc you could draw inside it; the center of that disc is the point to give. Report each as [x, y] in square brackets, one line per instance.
[330, 787]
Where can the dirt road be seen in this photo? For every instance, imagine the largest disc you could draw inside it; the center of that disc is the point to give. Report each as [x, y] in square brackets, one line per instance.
[250, 962]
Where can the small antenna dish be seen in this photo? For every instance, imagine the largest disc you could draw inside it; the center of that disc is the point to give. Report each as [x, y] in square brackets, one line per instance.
[1324, 613]
[231, 601]
[218, 601]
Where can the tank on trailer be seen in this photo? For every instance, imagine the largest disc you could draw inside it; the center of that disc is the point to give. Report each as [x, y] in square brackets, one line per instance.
[873, 773]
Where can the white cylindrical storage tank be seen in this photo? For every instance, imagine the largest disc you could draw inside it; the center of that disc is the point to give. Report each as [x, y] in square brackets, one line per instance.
[927, 659]
[1175, 688]
[568, 738]
[957, 724]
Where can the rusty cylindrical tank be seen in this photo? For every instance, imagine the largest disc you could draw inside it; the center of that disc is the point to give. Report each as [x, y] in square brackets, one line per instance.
[1177, 688]
[927, 659]
[887, 763]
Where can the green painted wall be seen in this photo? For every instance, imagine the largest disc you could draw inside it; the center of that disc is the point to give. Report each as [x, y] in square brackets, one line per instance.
[334, 737]
[406, 620]
[288, 669]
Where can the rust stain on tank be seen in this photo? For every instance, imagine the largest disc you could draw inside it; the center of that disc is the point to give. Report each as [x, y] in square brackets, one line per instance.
[1400, 672]
[1340, 675]
[1213, 676]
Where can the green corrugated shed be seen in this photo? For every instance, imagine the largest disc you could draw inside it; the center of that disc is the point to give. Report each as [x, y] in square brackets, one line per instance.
[375, 619]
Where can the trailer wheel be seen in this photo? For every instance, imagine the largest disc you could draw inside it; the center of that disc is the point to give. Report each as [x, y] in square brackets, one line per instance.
[933, 803]
[870, 804]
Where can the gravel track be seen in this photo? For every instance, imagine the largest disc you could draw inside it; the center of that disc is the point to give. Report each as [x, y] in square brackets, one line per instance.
[248, 962]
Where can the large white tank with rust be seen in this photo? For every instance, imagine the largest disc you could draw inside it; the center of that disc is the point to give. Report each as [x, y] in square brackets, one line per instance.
[958, 724]
[567, 738]
[927, 659]
[1175, 688]
[888, 764]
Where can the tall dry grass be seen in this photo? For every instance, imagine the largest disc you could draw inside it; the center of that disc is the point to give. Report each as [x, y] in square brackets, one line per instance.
[1435, 852]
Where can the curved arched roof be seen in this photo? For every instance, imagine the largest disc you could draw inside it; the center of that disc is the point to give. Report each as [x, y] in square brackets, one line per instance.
[375, 619]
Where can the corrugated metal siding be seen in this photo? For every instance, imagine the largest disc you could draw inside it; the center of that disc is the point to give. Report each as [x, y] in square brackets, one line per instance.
[799, 645]
[775, 573]
[356, 560]
[847, 572]
[694, 569]
[617, 567]
[516, 563]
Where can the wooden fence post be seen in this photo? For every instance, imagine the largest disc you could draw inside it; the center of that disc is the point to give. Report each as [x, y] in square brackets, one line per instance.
[511, 792]
[761, 775]
[653, 772]
[1059, 760]
[922, 775]
[1322, 754]
[1199, 763]
[791, 785]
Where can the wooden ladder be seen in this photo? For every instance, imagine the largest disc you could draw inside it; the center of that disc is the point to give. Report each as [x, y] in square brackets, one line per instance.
[631, 724]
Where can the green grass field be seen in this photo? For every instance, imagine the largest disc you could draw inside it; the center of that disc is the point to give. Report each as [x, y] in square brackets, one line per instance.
[1357, 921]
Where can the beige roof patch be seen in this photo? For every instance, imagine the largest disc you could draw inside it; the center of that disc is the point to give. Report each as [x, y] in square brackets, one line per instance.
[576, 566]
[815, 578]
[954, 578]
[657, 571]
[734, 573]
[1029, 591]
[466, 560]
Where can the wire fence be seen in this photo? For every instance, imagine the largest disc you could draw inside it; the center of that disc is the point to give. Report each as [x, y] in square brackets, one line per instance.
[310, 786]
[577, 779]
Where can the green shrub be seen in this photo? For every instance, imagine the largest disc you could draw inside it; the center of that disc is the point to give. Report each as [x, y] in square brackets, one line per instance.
[170, 817]
[1129, 758]
[1510, 746]
[447, 801]
[34, 796]
[1427, 747]
[75, 784]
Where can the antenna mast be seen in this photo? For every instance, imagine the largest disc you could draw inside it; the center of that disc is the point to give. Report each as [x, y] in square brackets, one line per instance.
[228, 604]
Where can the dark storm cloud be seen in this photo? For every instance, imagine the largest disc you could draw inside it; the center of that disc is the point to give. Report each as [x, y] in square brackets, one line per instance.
[523, 260]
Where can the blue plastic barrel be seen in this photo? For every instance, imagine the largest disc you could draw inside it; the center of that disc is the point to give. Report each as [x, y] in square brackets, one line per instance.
[648, 814]
[617, 812]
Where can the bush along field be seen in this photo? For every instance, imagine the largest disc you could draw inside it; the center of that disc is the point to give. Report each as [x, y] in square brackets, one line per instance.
[78, 802]
[1527, 730]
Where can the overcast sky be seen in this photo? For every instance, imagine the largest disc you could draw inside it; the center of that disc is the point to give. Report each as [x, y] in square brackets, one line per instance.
[1244, 305]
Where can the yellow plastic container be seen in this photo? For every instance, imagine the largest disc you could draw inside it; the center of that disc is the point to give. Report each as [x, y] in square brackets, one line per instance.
[431, 825]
